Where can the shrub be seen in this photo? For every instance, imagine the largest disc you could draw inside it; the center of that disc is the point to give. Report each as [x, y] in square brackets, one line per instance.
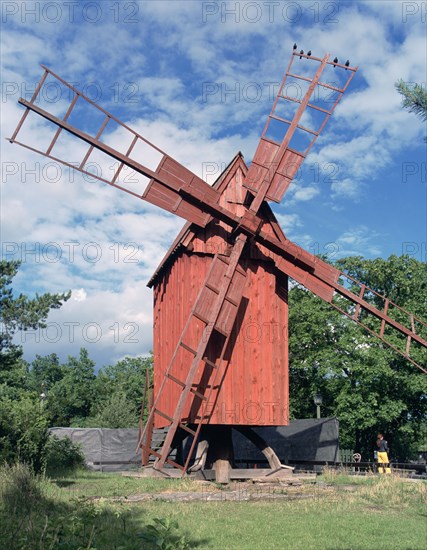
[164, 535]
[62, 455]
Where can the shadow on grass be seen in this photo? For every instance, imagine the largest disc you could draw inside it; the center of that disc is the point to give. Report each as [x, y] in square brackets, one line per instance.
[64, 482]
[31, 518]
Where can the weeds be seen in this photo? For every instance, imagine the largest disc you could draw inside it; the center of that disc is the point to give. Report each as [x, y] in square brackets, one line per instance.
[392, 491]
[164, 535]
[21, 489]
[35, 513]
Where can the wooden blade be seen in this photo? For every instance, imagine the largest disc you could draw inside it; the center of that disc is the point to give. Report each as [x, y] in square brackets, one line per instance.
[277, 159]
[166, 182]
[337, 288]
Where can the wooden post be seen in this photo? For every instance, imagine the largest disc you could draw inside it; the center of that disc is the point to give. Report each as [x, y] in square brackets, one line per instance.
[221, 446]
[201, 454]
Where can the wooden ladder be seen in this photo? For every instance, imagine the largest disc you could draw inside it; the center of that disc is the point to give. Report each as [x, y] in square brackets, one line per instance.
[214, 310]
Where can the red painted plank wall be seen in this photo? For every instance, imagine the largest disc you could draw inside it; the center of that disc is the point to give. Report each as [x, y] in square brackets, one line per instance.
[255, 387]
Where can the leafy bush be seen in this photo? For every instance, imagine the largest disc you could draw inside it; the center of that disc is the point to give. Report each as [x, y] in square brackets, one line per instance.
[164, 535]
[62, 455]
[23, 430]
[115, 412]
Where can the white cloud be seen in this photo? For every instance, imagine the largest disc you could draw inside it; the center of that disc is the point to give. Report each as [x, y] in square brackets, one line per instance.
[347, 187]
[305, 193]
[288, 222]
[79, 295]
[359, 241]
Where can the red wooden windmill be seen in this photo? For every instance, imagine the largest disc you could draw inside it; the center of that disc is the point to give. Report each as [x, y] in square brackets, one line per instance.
[230, 264]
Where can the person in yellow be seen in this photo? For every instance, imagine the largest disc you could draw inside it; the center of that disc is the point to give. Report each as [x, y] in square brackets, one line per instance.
[382, 455]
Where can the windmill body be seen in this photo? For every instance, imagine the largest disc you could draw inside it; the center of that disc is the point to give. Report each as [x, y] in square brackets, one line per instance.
[254, 370]
[220, 295]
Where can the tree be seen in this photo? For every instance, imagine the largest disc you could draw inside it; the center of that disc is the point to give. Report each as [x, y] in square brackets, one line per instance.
[23, 423]
[44, 373]
[120, 390]
[127, 376]
[414, 98]
[22, 313]
[23, 430]
[364, 383]
[115, 412]
[72, 398]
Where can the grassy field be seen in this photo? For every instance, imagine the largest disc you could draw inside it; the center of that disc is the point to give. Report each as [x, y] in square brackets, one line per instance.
[108, 511]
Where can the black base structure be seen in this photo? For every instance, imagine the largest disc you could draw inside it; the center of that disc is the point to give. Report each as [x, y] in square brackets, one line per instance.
[303, 440]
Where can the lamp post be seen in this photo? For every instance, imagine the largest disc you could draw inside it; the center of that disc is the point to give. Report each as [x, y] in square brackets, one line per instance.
[43, 397]
[318, 400]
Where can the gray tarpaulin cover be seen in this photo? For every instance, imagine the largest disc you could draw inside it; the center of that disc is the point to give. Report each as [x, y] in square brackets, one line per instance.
[104, 445]
[307, 439]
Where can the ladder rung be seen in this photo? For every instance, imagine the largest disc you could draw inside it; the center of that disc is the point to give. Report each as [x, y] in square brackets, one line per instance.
[356, 313]
[187, 429]
[149, 449]
[231, 301]
[209, 362]
[128, 152]
[319, 108]
[325, 85]
[191, 350]
[224, 259]
[199, 395]
[179, 382]
[175, 464]
[408, 344]
[199, 316]
[284, 120]
[386, 304]
[281, 96]
[159, 455]
[221, 330]
[240, 270]
[305, 129]
[164, 415]
[211, 287]
[300, 77]
[279, 118]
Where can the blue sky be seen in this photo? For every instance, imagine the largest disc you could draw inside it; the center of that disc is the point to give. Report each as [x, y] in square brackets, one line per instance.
[197, 79]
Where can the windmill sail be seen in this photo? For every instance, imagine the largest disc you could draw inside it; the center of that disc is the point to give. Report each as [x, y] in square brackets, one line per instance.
[281, 151]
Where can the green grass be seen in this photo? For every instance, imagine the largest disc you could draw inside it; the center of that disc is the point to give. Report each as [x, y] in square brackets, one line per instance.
[337, 512]
[293, 525]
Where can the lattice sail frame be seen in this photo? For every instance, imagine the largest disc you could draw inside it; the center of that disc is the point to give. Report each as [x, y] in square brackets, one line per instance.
[152, 185]
[275, 163]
